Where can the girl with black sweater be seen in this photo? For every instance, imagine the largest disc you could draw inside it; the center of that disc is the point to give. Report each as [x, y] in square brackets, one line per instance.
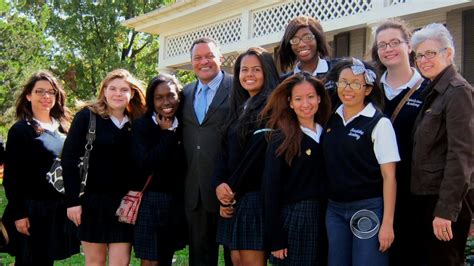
[393, 55]
[239, 174]
[119, 102]
[360, 152]
[294, 171]
[34, 206]
[158, 151]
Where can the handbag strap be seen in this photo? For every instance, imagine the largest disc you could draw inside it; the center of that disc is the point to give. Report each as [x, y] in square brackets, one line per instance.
[148, 180]
[90, 137]
[404, 100]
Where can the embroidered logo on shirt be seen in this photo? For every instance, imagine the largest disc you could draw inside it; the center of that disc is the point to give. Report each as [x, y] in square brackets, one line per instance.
[308, 152]
[356, 133]
[328, 130]
[414, 102]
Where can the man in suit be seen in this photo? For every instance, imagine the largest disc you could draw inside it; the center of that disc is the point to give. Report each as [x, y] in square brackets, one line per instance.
[205, 107]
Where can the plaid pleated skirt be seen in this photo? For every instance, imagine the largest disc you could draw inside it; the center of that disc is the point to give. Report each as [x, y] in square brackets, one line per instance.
[150, 238]
[100, 224]
[247, 230]
[302, 223]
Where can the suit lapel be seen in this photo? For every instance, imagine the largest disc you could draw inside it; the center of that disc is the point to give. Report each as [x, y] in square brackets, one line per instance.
[190, 103]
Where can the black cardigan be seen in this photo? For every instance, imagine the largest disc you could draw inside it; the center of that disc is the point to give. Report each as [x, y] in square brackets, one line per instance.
[284, 184]
[27, 162]
[110, 161]
[160, 153]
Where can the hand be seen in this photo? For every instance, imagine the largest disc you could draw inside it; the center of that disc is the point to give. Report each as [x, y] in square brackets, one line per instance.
[386, 236]
[442, 229]
[226, 212]
[224, 194]
[23, 225]
[74, 214]
[164, 122]
[280, 254]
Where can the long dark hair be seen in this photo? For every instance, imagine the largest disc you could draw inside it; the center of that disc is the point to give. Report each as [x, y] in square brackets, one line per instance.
[282, 118]
[153, 84]
[285, 55]
[59, 111]
[397, 24]
[247, 119]
[376, 96]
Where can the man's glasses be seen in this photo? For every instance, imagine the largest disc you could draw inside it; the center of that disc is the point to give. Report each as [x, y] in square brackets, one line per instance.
[429, 54]
[393, 43]
[43, 92]
[354, 85]
[307, 38]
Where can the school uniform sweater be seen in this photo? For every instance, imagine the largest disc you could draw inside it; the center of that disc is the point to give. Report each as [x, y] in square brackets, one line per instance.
[158, 152]
[284, 184]
[110, 161]
[403, 126]
[241, 164]
[27, 162]
[352, 167]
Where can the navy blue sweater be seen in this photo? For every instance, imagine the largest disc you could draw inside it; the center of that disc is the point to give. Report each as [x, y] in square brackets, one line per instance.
[352, 168]
[403, 126]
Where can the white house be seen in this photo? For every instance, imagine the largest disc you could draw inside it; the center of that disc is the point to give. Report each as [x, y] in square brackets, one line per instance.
[348, 24]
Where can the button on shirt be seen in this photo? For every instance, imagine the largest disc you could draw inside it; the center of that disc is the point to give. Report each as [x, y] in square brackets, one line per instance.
[213, 86]
[391, 93]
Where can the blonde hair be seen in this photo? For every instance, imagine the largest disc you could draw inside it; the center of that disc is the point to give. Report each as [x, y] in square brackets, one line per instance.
[136, 106]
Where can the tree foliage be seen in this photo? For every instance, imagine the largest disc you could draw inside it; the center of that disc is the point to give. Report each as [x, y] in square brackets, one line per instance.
[90, 41]
[23, 49]
[79, 40]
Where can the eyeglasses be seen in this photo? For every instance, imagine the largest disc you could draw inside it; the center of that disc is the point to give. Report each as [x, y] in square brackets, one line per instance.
[353, 85]
[43, 92]
[393, 43]
[429, 54]
[307, 38]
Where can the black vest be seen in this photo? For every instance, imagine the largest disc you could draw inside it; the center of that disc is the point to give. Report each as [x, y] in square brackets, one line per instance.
[352, 168]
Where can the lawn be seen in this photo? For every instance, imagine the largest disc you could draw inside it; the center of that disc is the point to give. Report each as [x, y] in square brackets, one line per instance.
[77, 260]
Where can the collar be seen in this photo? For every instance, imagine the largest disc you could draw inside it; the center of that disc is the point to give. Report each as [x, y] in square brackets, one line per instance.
[312, 134]
[213, 84]
[368, 111]
[117, 123]
[393, 92]
[173, 126]
[322, 67]
[441, 82]
[54, 126]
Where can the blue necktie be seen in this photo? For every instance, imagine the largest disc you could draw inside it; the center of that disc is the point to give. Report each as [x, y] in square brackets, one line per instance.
[201, 104]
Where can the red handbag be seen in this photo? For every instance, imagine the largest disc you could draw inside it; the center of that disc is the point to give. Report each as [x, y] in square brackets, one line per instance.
[128, 210]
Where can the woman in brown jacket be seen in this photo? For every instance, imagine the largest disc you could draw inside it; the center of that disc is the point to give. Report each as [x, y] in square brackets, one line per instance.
[443, 152]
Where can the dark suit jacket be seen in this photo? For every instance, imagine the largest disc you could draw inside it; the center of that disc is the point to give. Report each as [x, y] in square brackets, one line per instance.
[443, 151]
[202, 144]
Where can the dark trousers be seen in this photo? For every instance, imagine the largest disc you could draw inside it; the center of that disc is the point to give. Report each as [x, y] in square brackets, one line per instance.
[203, 248]
[403, 247]
[433, 252]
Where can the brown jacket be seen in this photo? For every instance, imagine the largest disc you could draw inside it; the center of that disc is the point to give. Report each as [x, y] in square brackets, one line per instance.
[443, 150]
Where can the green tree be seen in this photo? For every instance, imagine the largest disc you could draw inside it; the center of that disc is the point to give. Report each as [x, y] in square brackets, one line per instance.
[90, 41]
[23, 50]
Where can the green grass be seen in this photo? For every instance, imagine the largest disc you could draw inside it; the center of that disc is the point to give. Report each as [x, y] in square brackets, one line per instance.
[181, 256]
